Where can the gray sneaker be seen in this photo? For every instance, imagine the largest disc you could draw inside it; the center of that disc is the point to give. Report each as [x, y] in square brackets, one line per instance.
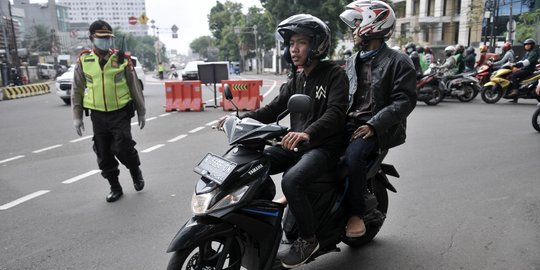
[300, 251]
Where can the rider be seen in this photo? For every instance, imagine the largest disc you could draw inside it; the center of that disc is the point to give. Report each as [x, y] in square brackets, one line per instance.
[483, 55]
[470, 59]
[307, 42]
[428, 55]
[460, 59]
[526, 66]
[508, 56]
[382, 93]
[410, 49]
[450, 64]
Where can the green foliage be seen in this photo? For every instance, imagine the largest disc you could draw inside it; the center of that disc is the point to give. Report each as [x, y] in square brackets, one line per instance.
[39, 39]
[140, 46]
[202, 46]
[527, 24]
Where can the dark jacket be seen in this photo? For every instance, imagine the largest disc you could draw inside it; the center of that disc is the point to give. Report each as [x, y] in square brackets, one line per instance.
[393, 84]
[530, 59]
[327, 85]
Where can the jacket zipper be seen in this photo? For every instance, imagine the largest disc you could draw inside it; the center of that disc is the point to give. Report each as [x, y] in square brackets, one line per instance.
[103, 89]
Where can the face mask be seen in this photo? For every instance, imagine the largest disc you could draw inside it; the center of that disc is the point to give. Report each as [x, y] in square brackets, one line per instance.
[103, 44]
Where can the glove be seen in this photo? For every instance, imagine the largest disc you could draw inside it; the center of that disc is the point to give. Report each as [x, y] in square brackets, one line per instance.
[142, 121]
[79, 126]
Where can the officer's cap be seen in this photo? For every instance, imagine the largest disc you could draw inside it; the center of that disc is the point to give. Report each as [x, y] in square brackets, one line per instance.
[101, 28]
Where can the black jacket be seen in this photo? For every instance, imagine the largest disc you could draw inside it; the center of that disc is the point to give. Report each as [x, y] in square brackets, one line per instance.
[393, 85]
[327, 85]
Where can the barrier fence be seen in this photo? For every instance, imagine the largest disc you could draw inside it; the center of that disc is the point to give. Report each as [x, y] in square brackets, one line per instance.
[14, 92]
[183, 96]
[246, 94]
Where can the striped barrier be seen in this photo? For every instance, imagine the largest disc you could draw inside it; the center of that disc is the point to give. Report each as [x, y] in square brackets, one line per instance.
[22, 91]
[246, 94]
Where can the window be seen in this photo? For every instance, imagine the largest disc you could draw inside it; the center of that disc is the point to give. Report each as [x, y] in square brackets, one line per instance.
[404, 31]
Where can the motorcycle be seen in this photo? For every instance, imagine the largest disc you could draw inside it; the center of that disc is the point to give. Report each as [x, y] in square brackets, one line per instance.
[173, 74]
[427, 88]
[483, 72]
[464, 86]
[498, 85]
[536, 114]
[236, 224]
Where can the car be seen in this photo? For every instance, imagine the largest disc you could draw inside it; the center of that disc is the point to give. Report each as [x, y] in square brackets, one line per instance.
[46, 71]
[63, 83]
[191, 71]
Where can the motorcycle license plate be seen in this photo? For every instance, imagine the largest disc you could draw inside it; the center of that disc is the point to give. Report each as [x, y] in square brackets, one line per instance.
[215, 168]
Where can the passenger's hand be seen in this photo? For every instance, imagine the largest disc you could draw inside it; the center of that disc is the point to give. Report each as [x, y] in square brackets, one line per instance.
[142, 121]
[79, 126]
[363, 131]
[292, 139]
[221, 122]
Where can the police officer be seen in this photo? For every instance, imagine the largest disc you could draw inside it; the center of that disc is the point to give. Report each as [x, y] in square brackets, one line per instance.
[106, 85]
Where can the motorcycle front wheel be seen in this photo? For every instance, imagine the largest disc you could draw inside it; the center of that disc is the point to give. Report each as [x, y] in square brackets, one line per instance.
[492, 94]
[215, 253]
[437, 97]
[536, 119]
[468, 94]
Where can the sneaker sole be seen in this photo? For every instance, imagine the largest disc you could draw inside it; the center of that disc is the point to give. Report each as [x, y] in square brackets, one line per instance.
[302, 262]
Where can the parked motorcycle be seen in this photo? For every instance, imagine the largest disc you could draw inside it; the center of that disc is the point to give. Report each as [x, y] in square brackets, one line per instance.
[427, 88]
[235, 223]
[498, 86]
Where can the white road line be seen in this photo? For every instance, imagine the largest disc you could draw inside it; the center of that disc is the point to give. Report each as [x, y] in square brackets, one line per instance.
[151, 118]
[177, 138]
[47, 148]
[211, 123]
[152, 148]
[79, 177]
[23, 199]
[10, 159]
[196, 129]
[165, 114]
[270, 90]
[81, 139]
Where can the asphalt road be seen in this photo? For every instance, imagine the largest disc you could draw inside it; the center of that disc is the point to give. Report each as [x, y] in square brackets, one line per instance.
[467, 197]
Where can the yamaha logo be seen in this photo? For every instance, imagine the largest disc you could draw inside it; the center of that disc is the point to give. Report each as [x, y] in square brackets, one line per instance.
[254, 170]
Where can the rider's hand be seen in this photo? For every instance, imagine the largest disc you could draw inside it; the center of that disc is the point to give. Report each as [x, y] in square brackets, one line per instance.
[292, 139]
[363, 131]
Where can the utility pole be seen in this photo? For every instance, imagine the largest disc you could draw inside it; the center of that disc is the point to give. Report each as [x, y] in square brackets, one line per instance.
[16, 60]
[494, 16]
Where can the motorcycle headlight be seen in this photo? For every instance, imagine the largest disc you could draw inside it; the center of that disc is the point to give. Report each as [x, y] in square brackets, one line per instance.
[201, 202]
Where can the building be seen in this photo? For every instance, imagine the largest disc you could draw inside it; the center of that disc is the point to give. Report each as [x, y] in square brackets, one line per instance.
[116, 13]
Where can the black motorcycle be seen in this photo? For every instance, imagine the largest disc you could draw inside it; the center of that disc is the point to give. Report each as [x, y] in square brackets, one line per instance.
[464, 86]
[536, 118]
[236, 224]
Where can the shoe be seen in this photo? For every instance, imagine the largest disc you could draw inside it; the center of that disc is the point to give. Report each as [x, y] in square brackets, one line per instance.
[355, 227]
[138, 181]
[513, 93]
[114, 195]
[300, 251]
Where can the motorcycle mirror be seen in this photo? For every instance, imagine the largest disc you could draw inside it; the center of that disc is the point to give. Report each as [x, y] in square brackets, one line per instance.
[299, 103]
[228, 96]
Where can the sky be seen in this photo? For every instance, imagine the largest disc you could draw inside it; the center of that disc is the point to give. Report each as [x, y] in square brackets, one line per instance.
[191, 17]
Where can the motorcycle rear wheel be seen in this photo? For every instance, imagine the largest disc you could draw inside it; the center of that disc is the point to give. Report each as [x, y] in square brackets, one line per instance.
[491, 94]
[536, 119]
[377, 188]
[437, 97]
[213, 251]
[468, 95]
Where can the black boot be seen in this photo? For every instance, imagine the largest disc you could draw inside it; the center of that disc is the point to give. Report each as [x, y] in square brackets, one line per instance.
[138, 181]
[116, 190]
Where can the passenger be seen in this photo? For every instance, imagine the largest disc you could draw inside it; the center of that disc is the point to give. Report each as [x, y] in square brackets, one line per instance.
[382, 93]
[470, 59]
[307, 41]
[508, 56]
[460, 58]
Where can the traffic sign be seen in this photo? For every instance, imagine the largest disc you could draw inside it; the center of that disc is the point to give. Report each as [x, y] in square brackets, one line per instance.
[132, 20]
[174, 28]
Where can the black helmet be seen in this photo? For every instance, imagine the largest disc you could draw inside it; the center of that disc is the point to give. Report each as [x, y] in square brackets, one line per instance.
[529, 41]
[307, 25]
[470, 50]
[410, 47]
[101, 28]
[460, 48]
[420, 49]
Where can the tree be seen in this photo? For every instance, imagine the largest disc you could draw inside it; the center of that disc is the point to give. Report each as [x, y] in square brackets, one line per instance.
[202, 46]
[527, 24]
[222, 19]
[39, 39]
[139, 46]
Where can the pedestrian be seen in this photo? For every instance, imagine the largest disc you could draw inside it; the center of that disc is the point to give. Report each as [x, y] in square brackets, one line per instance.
[307, 42]
[105, 85]
[382, 93]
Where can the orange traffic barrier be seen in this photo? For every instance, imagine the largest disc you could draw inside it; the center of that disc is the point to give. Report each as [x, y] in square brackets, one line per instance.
[183, 96]
[246, 94]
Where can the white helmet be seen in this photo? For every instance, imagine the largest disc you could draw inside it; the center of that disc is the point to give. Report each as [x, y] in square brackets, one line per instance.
[450, 49]
[375, 19]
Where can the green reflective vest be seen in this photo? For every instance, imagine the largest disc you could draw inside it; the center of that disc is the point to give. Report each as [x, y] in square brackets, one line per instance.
[107, 89]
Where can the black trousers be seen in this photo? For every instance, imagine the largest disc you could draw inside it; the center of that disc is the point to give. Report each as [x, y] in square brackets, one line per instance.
[300, 170]
[113, 140]
[518, 76]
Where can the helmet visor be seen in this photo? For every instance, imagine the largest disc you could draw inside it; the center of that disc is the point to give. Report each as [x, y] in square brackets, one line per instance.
[351, 17]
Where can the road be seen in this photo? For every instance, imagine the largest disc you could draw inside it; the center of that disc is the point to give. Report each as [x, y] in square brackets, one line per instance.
[467, 197]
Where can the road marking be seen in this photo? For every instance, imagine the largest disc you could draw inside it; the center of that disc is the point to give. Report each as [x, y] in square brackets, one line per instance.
[10, 159]
[46, 148]
[79, 177]
[211, 123]
[196, 129]
[151, 118]
[177, 138]
[81, 139]
[165, 114]
[270, 90]
[152, 148]
[23, 199]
